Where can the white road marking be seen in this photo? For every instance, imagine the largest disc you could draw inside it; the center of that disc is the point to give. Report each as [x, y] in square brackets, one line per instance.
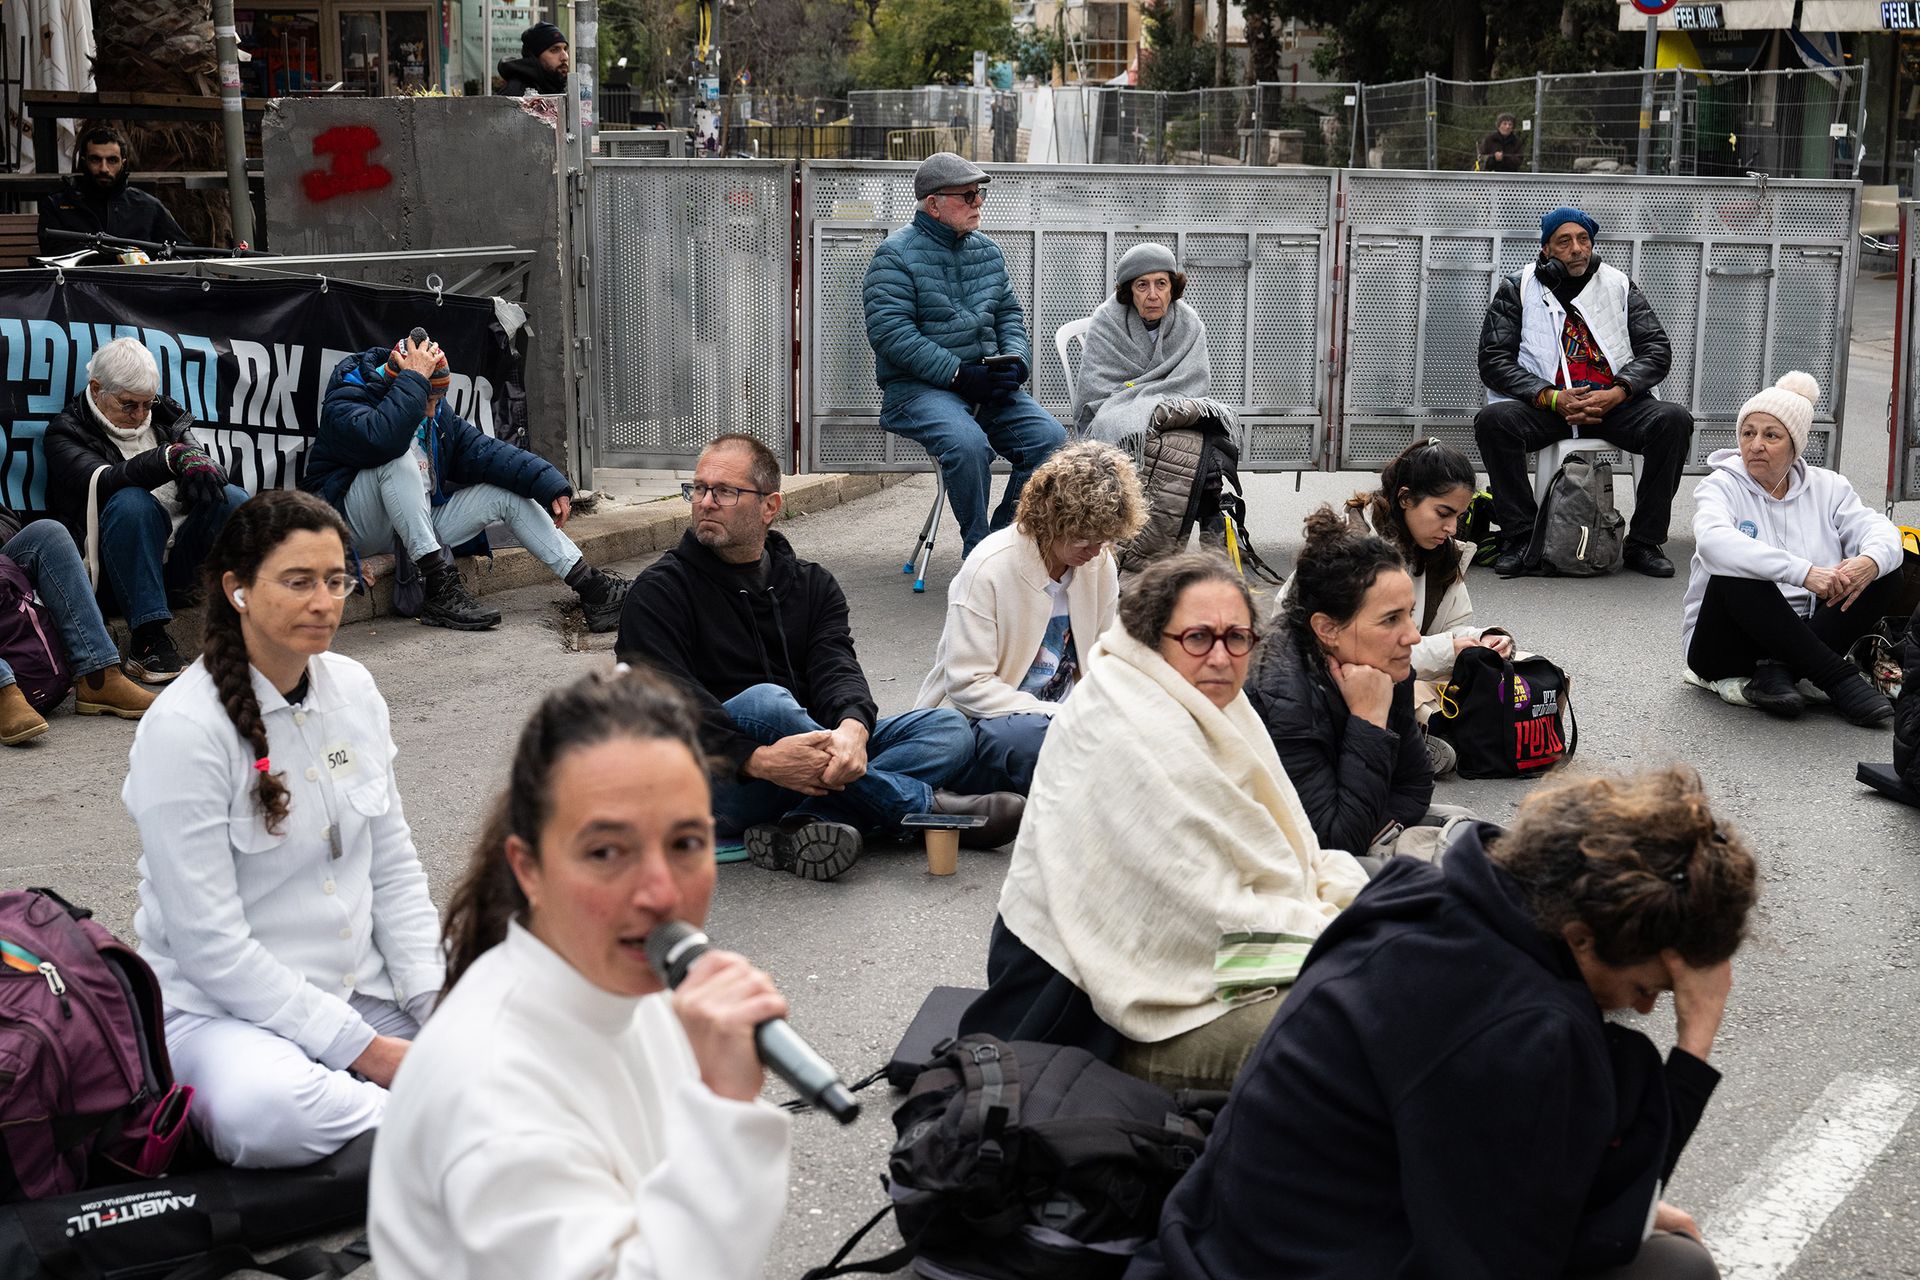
[1779, 1207]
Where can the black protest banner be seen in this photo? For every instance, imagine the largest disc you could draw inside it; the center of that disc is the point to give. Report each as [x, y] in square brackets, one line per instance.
[249, 359]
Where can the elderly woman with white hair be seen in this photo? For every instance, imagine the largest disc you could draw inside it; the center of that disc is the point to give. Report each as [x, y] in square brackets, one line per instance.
[1790, 568]
[1146, 347]
[141, 496]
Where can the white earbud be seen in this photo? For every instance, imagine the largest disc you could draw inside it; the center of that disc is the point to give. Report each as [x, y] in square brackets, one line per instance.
[239, 597]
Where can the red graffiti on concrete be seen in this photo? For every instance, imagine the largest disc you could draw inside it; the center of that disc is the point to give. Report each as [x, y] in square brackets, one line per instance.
[348, 144]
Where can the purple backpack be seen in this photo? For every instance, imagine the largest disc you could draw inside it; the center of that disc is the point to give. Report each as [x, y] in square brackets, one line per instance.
[86, 1090]
[29, 642]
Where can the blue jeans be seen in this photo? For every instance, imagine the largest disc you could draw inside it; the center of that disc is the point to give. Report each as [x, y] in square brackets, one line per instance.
[389, 501]
[907, 757]
[1005, 749]
[1017, 428]
[45, 550]
[136, 567]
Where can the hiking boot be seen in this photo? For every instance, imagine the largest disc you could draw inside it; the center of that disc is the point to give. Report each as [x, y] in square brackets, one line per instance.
[448, 603]
[811, 848]
[1732, 689]
[1771, 689]
[1442, 757]
[602, 595]
[1001, 809]
[1854, 697]
[18, 721]
[1650, 560]
[108, 692]
[154, 659]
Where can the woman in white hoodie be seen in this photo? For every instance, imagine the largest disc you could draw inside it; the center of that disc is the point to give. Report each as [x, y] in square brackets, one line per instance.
[1790, 568]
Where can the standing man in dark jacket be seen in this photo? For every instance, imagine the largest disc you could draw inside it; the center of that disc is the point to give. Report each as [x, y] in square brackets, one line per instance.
[759, 638]
[1571, 347]
[542, 65]
[141, 497]
[98, 199]
[1499, 151]
[939, 304]
[403, 467]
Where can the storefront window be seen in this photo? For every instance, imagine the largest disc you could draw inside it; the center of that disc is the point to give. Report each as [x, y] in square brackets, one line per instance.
[285, 48]
[386, 51]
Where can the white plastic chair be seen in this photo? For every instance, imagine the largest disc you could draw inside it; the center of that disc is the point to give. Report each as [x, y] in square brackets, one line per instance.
[1548, 460]
[1068, 333]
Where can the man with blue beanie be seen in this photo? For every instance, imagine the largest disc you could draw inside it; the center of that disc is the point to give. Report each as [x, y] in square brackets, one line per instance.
[1571, 347]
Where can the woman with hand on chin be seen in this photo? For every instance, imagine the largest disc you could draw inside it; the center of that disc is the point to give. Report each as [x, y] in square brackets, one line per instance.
[565, 1116]
[1789, 569]
[282, 905]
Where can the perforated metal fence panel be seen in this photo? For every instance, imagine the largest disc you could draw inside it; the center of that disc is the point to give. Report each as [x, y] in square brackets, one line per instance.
[1906, 375]
[1749, 279]
[1257, 247]
[691, 279]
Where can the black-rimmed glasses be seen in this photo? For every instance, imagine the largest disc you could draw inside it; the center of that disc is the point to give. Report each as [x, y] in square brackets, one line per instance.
[723, 495]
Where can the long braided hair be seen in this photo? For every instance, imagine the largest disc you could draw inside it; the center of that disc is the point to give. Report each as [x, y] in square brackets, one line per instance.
[250, 535]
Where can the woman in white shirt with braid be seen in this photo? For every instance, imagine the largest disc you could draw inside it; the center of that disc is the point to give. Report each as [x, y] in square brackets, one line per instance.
[565, 1117]
[282, 905]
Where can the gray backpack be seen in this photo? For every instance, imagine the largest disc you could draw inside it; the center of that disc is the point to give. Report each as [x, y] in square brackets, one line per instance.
[1578, 534]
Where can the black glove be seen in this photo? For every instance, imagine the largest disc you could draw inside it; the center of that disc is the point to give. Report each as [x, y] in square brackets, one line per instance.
[1006, 381]
[975, 383]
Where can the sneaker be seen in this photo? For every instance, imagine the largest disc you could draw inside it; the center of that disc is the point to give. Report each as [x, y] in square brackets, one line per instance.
[602, 596]
[449, 604]
[1732, 689]
[154, 659]
[1650, 560]
[1771, 689]
[18, 720]
[809, 847]
[1442, 757]
[108, 692]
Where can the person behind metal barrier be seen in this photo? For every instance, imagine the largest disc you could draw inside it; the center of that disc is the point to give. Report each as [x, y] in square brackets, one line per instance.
[1571, 347]
[563, 1116]
[1333, 684]
[1906, 711]
[1443, 1093]
[542, 65]
[1166, 883]
[1789, 569]
[43, 551]
[97, 199]
[282, 905]
[938, 303]
[1027, 603]
[1146, 346]
[395, 459]
[141, 496]
[1499, 151]
[759, 639]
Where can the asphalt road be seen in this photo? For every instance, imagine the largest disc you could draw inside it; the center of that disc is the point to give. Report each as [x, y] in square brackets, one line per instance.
[1809, 1150]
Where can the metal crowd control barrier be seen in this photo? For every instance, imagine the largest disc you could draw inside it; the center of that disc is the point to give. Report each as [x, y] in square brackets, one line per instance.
[1904, 446]
[1750, 279]
[690, 273]
[1257, 247]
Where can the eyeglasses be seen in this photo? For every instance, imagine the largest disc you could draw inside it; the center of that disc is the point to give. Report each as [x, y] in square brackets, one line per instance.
[972, 195]
[1199, 641]
[724, 495]
[338, 585]
[132, 407]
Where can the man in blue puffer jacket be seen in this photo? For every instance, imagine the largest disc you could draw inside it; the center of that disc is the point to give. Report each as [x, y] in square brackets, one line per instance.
[400, 464]
[938, 303]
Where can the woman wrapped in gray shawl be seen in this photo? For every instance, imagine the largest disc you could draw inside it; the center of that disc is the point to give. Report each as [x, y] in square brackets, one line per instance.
[1145, 349]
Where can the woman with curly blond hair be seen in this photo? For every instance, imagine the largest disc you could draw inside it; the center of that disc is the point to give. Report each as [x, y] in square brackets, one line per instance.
[1027, 603]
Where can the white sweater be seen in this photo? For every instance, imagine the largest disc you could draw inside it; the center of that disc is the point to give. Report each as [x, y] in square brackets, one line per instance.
[997, 614]
[541, 1127]
[1742, 531]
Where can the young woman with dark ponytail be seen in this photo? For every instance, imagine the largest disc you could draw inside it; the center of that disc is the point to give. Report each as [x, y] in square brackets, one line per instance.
[282, 904]
[564, 1116]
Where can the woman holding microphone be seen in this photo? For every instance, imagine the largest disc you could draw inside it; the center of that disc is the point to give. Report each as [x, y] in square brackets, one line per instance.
[564, 1116]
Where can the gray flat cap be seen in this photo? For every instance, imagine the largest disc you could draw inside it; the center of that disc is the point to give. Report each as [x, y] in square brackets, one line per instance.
[944, 169]
[1141, 259]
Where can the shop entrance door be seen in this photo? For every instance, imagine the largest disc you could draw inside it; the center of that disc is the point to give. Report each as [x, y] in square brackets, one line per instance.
[385, 51]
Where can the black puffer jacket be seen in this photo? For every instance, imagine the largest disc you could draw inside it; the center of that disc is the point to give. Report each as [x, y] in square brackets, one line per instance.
[522, 76]
[1906, 712]
[128, 213]
[1500, 367]
[76, 444]
[1353, 777]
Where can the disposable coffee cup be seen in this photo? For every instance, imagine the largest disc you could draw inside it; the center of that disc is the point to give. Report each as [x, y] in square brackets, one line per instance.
[943, 851]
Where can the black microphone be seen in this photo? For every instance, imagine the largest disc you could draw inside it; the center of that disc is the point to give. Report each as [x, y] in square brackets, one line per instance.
[672, 948]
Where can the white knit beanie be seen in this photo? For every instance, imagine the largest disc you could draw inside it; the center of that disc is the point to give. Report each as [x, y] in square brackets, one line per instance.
[1790, 400]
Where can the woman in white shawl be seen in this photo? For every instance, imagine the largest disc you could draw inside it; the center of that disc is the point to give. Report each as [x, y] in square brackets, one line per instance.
[1146, 347]
[1166, 884]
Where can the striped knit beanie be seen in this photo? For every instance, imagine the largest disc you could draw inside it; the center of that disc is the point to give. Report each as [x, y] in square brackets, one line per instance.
[442, 376]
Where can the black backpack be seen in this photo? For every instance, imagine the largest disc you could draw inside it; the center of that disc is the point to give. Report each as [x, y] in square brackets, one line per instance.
[1021, 1161]
[1579, 533]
